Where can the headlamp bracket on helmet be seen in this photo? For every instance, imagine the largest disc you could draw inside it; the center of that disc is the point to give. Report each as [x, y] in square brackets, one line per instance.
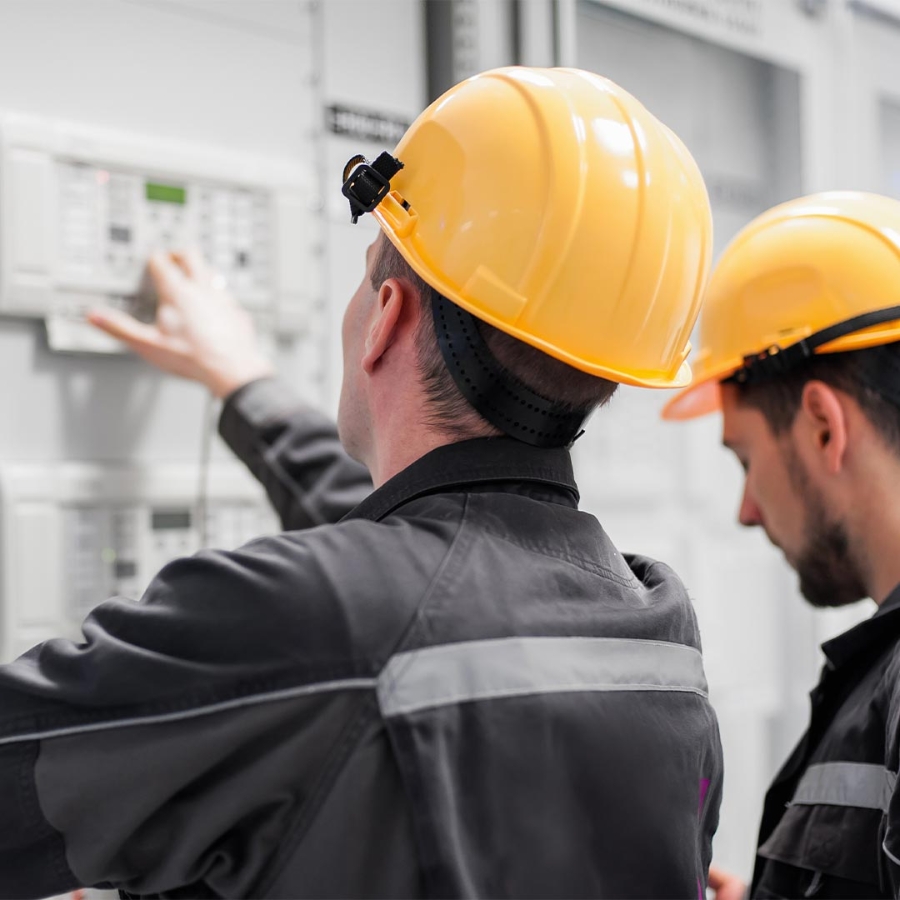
[366, 183]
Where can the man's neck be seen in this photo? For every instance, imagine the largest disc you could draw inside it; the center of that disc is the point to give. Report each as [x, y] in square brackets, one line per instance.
[878, 544]
[401, 451]
[884, 571]
[396, 449]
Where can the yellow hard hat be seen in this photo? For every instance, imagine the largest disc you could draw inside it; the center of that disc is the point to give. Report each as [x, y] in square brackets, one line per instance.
[820, 274]
[552, 205]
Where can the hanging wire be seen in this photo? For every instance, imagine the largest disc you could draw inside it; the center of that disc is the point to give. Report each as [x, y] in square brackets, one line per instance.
[208, 427]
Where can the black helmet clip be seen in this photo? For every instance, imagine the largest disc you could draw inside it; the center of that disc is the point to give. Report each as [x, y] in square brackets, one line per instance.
[367, 184]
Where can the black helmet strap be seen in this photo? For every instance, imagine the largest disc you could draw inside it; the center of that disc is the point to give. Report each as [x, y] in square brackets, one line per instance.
[495, 393]
[775, 360]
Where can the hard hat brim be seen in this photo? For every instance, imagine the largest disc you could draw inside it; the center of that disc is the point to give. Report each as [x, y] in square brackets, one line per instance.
[700, 399]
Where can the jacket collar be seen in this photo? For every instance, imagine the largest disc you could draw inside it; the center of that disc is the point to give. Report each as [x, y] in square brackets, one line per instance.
[868, 636]
[475, 462]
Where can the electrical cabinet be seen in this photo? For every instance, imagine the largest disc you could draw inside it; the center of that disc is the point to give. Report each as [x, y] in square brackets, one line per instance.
[73, 535]
[82, 208]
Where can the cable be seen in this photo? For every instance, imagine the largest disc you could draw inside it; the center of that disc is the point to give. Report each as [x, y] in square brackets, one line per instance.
[208, 426]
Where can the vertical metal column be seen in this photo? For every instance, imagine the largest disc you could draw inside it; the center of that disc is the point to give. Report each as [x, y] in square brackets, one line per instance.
[464, 37]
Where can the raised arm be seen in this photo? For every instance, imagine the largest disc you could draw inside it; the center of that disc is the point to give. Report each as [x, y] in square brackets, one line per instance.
[295, 454]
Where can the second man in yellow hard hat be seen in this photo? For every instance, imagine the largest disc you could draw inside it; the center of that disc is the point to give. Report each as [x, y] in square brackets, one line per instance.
[800, 350]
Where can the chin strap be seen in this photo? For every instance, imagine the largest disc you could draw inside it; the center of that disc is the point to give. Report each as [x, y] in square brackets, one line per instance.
[495, 393]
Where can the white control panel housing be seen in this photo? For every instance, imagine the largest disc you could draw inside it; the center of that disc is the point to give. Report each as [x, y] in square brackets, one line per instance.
[82, 208]
[73, 535]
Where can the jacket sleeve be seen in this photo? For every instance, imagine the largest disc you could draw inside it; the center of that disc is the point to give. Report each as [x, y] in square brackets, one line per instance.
[295, 454]
[164, 751]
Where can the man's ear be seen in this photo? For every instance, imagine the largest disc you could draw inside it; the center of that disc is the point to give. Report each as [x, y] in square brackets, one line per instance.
[824, 418]
[384, 326]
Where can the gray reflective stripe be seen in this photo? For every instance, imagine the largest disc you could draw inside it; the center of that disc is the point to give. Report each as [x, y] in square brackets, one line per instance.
[510, 667]
[862, 785]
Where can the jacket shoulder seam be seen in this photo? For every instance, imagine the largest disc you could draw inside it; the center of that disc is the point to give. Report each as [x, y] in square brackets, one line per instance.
[570, 558]
[336, 686]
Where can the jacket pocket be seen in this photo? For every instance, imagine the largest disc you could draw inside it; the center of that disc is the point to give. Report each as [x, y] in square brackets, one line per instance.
[831, 843]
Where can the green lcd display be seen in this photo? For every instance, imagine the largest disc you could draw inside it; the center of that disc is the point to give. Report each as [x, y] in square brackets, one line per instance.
[166, 193]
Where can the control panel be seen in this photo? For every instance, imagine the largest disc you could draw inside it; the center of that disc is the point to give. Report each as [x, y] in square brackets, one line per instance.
[82, 208]
[111, 221]
[73, 535]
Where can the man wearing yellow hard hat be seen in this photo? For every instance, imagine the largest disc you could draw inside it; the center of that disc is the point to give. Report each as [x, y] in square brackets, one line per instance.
[454, 685]
[799, 349]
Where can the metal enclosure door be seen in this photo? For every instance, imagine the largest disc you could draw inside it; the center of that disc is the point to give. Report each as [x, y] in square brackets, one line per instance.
[889, 109]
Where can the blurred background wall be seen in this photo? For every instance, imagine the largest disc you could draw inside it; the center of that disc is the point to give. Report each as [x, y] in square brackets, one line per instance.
[775, 98]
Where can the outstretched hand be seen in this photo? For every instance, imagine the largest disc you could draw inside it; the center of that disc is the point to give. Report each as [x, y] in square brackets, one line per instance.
[200, 331]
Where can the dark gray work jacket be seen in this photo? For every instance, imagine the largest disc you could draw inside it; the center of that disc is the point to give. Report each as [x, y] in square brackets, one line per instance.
[461, 688]
[831, 822]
